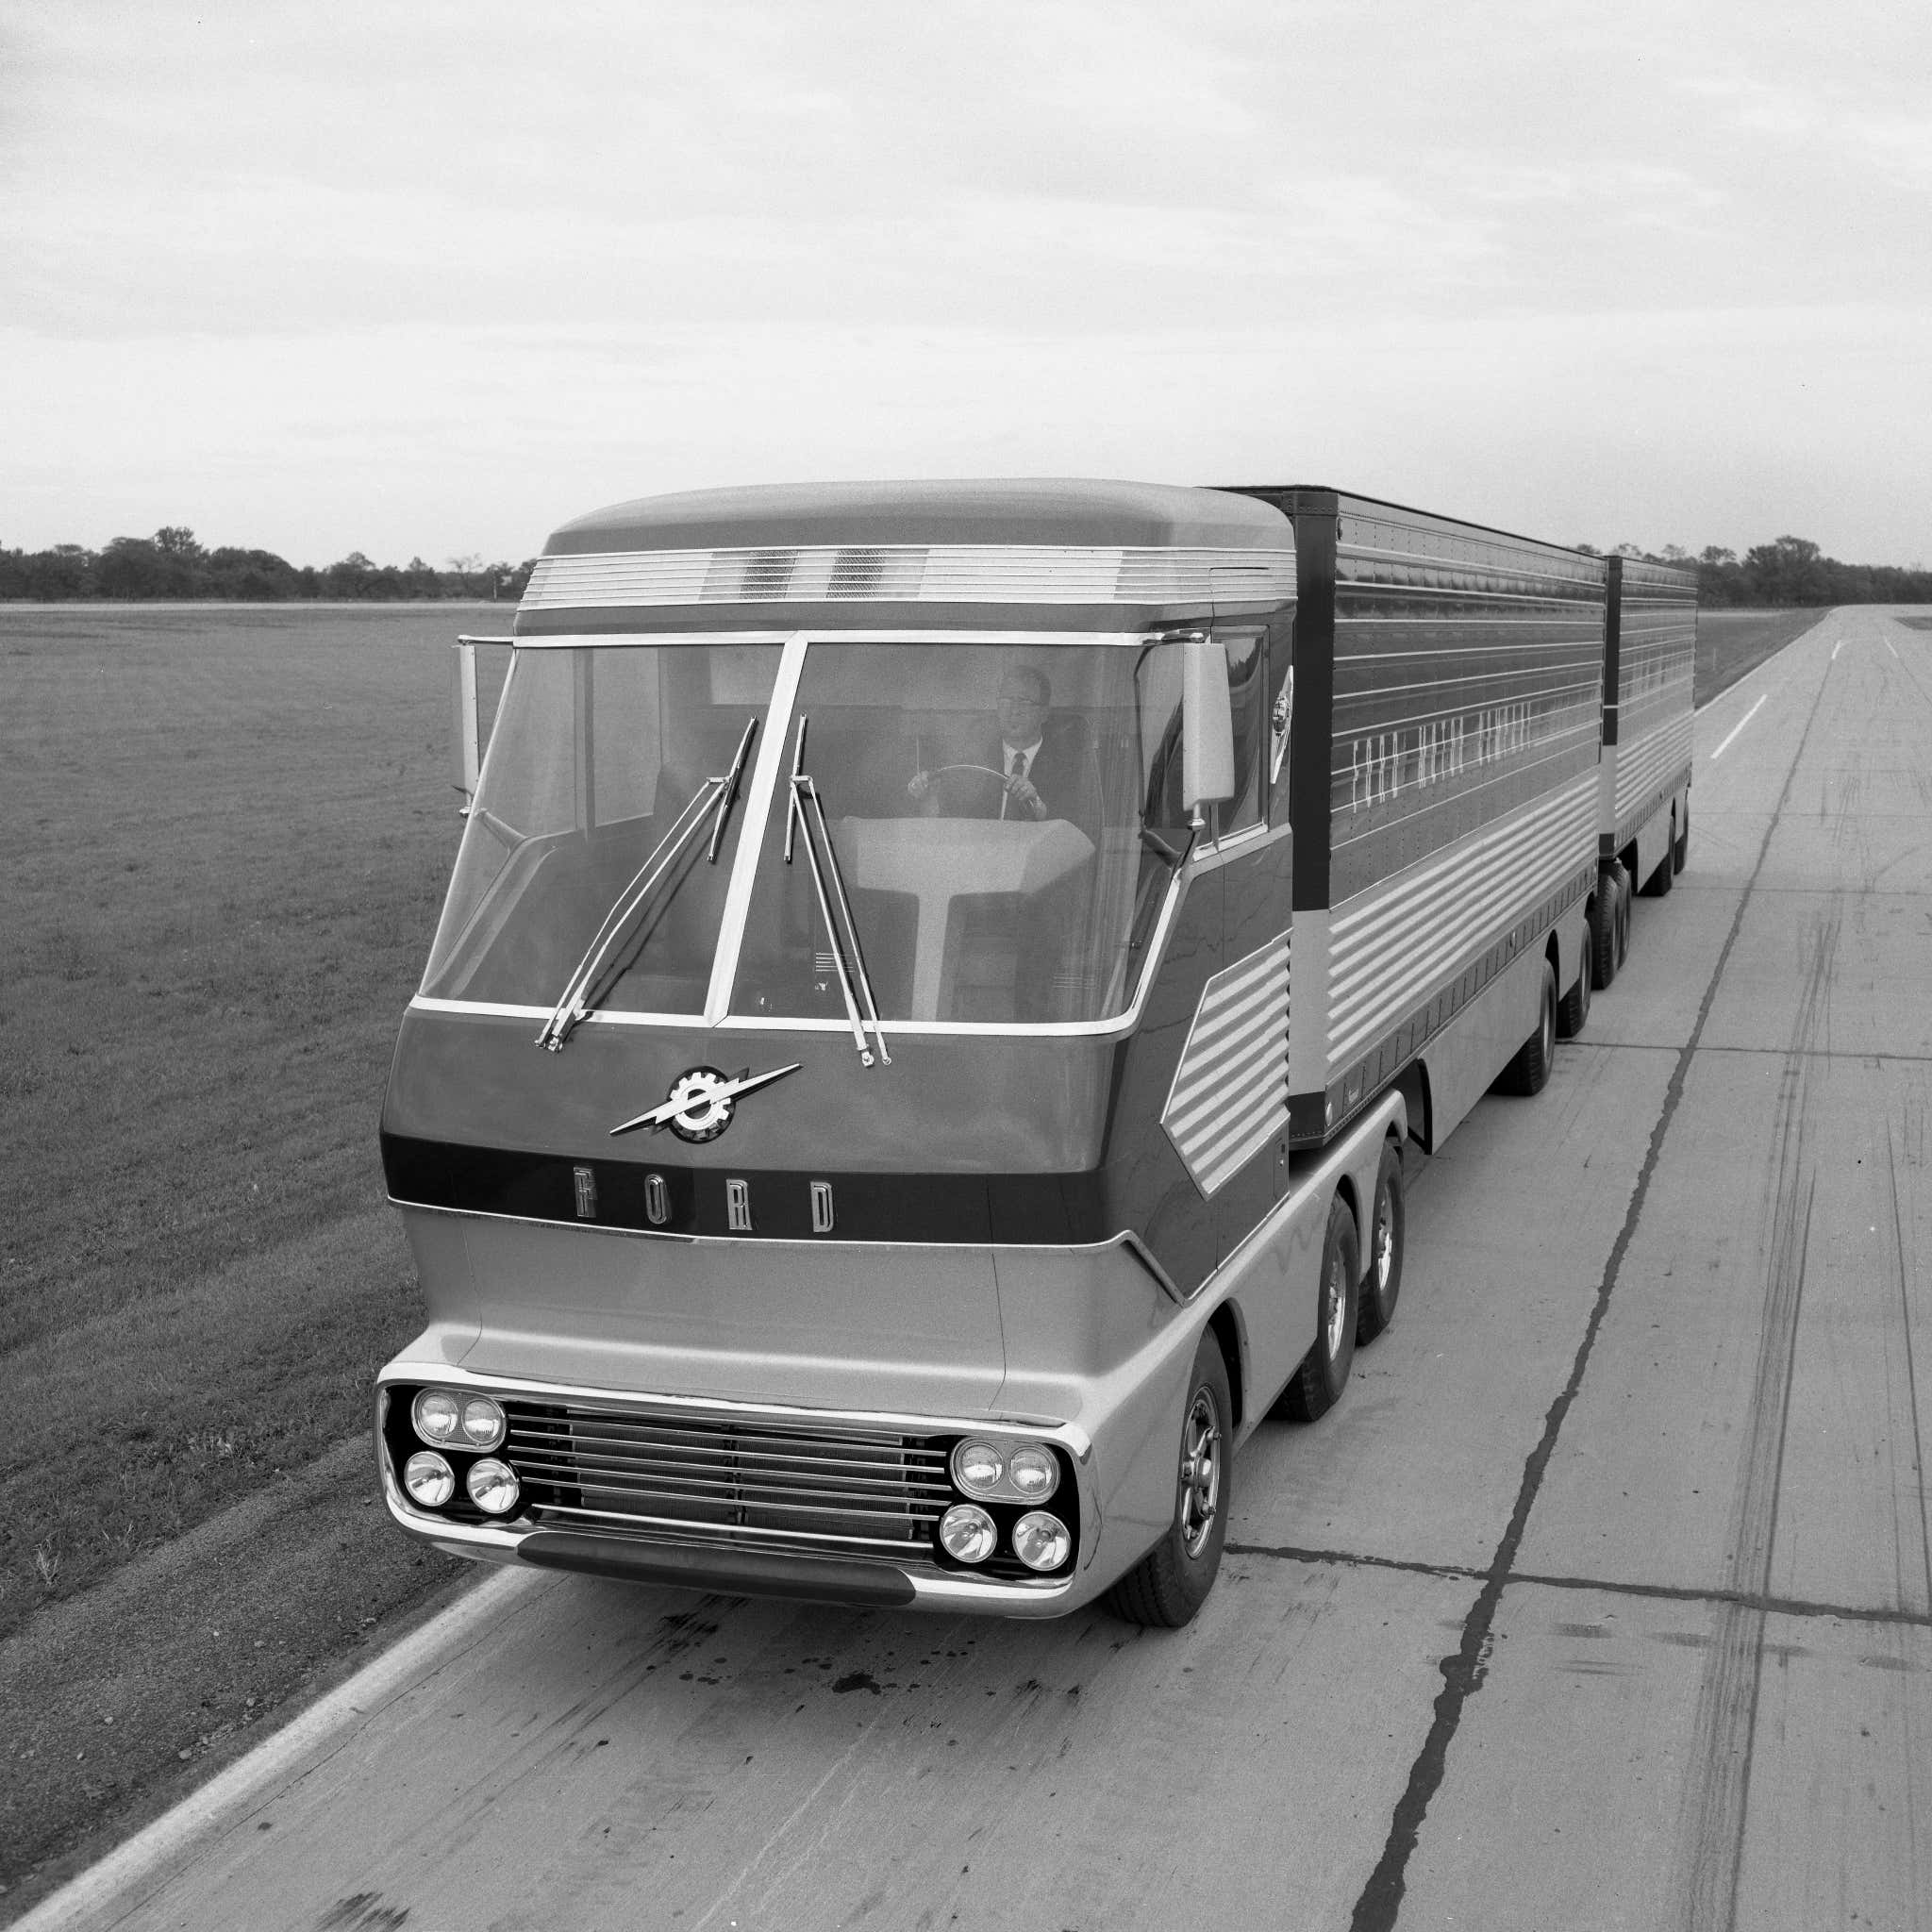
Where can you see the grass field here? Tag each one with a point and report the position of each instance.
(228, 832)
(227, 835)
(1733, 643)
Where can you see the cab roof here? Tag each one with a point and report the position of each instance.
(1013, 511)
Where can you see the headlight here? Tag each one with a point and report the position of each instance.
(967, 1532)
(977, 1468)
(492, 1487)
(1033, 1472)
(429, 1479)
(483, 1424)
(438, 1415)
(1041, 1542)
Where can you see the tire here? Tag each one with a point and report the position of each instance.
(1171, 1581)
(1387, 1227)
(1606, 929)
(1528, 1072)
(1573, 1010)
(1625, 897)
(1680, 853)
(1318, 1384)
(1658, 884)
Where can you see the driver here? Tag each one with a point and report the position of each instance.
(1023, 765)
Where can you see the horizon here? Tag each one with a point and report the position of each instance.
(435, 283)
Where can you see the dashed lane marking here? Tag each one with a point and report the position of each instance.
(1739, 726)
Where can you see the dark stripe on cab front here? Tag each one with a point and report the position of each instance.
(1009, 1208)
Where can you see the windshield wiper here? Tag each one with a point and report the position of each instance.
(807, 814)
(715, 795)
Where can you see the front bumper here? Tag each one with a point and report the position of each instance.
(744, 1556)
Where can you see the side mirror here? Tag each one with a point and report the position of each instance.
(1206, 725)
(467, 757)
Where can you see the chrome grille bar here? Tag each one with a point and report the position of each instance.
(749, 1484)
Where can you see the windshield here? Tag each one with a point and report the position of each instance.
(983, 886)
(963, 832)
(588, 865)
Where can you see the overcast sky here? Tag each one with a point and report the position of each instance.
(433, 278)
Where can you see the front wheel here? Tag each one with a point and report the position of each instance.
(1528, 1072)
(1318, 1383)
(1171, 1581)
(1383, 1282)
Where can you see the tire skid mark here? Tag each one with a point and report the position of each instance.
(1905, 1309)
(1464, 1670)
(1710, 1829)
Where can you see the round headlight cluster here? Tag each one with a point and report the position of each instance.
(967, 1532)
(1041, 1542)
(449, 1420)
(1020, 1473)
(493, 1486)
(429, 1479)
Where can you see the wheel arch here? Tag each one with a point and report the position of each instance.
(1230, 1335)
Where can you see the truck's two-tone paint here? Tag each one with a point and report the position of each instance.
(841, 1165)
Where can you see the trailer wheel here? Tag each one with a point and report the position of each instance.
(1680, 853)
(1528, 1072)
(1171, 1581)
(1316, 1386)
(1574, 1011)
(1383, 1282)
(1625, 896)
(1660, 883)
(1606, 923)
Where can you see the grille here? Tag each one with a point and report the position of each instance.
(760, 1486)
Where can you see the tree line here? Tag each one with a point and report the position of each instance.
(1791, 572)
(172, 564)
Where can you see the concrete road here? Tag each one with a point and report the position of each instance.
(1604, 1600)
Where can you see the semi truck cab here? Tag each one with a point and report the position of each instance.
(842, 1131)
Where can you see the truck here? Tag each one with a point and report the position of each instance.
(917, 1057)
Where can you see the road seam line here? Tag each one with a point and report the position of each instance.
(1659, 1592)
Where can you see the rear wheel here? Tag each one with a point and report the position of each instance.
(1680, 853)
(1574, 1008)
(1528, 1071)
(1171, 1581)
(1317, 1385)
(1383, 1281)
(1605, 928)
(1665, 876)
(1626, 894)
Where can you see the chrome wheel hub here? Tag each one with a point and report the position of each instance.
(1200, 1472)
(1336, 1298)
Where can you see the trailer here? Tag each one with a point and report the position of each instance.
(1644, 817)
(916, 1059)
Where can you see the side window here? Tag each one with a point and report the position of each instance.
(1247, 691)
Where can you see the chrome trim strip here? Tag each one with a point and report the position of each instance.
(751, 837)
(638, 640)
(1070, 1436)
(1392, 944)
(1229, 1092)
(912, 573)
